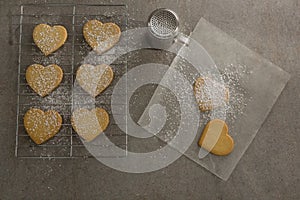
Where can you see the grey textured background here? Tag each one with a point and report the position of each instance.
(269, 169)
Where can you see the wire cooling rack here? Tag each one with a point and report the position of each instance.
(65, 144)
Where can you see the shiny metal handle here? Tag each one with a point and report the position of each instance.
(181, 38)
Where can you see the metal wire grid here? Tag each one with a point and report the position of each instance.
(65, 144)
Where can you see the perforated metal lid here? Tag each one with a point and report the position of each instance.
(163, 23)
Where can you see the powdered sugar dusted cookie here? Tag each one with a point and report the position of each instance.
(43, 80)
(210, 94)
(101, 37)
(89, 123)
(94, 79)
(49, 39)
(40, 125)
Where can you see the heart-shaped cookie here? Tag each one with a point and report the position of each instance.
(43, 80)
(94, 79)
(40, 125)
(49, 39)
(215, 138)
(89, 124)
(101, 37)
(210, 93)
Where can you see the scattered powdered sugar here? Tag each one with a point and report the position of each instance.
(43, 79)
(106, 44)
(101, 37)
(46, 41)
(47, 60)
(232, 76)
(49, 38)
(210, 93)
(94, 78)
(41, 125)
(86, 122)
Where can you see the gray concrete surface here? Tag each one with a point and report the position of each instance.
(269, 169)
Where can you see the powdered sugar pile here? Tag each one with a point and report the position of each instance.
(210, 93)
(232, 76)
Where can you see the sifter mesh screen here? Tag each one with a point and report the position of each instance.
(163, 23)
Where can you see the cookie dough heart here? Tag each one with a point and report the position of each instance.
(101, 37)
(210, 94)
(43, 80)
(94, 79)
(89, 124)
(40, 125)
(49, 39)
(215, 138)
